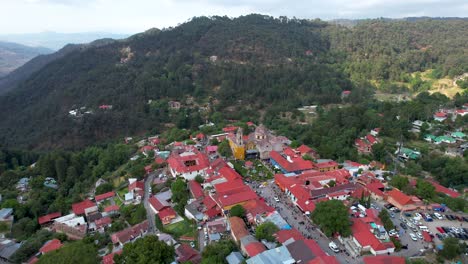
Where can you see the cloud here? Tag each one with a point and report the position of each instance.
(131, 16)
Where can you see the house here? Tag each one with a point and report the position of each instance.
(186, 254)
(136, 191)
(102, 223)
(300, 251)
(444, 139)
(195, 189)
(383, 260)
(326, 165)
(217, 226)
(105, 196)
(234, 257)
(227, 201)
(287, 236)
(417, 124)
(403, 201)
(111, 210)
(440, 116)
(458, 135)
(364, 144)
(442, 189)
(109, 258)
(279, 255)
(174, 105)
(194, 210)
(48, 219)
(366, 241)
(406, 153)
(131, 233)
(75, 227)
(238, 228)
(167, 215)
(48, 246)
(188, 164)
(7, 249)
(254, 248)
(81, 207)
(301, 197)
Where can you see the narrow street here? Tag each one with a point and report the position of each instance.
(298, 220)
(149, 212)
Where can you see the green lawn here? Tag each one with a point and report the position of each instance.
(182, 228)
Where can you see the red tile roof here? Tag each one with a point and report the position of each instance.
(103, 222)
(155, 203)
(375, 188)
(297, 164)
(79, 208)
(257, 206)
(238, 227)
(383, 260)
(48, 218)
(109, 258)
(146, 148)
(130, 233)
(212, 212)
(167, 214)
(230, 187)
(254, 248)
(326, 164)
(371, 139)
(50, 245)
(283, 235)
(230, 129)
(303, 149)
(399, 197)
(185, 253)
(200, 136)
(445, 190)
(440, 114)
(195, 189)
(233, 199)
(104, 196)
(136, 185)
(229, 173)
(111, 208)
(177, 162)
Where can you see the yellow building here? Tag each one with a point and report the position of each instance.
(237, 145)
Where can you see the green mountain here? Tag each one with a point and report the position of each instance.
(13, 55)
(237, 68)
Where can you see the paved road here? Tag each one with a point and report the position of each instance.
(201, 240)
(298, 220)
(149, 212)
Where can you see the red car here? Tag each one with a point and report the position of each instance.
(440, 229)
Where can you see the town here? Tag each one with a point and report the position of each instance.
(258, 197)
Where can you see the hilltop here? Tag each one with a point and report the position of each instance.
(13, 55)
(237, 68)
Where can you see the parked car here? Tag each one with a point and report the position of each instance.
(439, 236)
(192, 244)
(419, 235)
(404, 226)
(404, 247)
(393, 232)
(333, 247)
(438, 216)
(413, 237)
(277, 199)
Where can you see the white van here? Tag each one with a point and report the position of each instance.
(424, 228)
(333, 247)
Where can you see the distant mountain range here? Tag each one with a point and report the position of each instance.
(13, 55)
(56, 41)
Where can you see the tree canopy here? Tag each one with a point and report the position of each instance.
(332, 216)
(237, 210)
(146, 250)
(266, 231)
(72, 253)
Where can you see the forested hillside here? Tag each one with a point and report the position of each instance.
(228, 67)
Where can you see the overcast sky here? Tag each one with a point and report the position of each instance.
(132, 16)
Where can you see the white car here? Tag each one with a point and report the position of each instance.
(276, 199)
(333, 247)
(439, 216)
(419, 235)
(393, 232)
(417, 215)
(413, 237)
